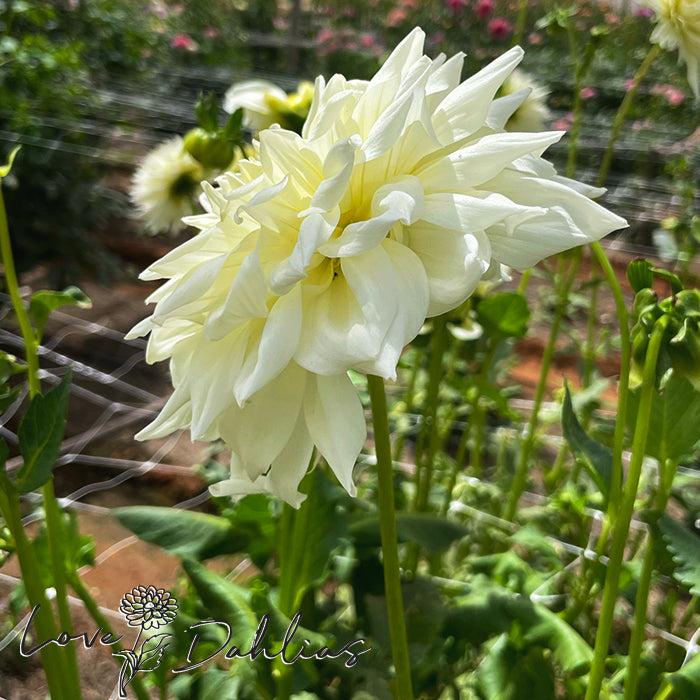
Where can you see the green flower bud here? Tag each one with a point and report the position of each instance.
(211, 149)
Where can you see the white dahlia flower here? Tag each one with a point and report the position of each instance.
(165, 186)
(678, 27)
(327, 251)
(532, 113)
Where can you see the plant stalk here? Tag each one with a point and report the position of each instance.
(387, 520)
(622, 522)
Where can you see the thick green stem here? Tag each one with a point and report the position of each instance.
(387, 520)
(479, 413)
(622, 522)
(520, 479)
(96, 614)
(667, 470)
(51, 656)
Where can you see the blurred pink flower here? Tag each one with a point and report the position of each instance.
(410, 4)
(534, 38)
(588, 92)
(629, 83)
(349, 11)
(640, 124)
(159, 10)
(367, 40)
(351, 45)
(211, 32)
(396, 17)
(483, 8)
(456, 6)
(561, 125)
(437, 38)
(183, 42)
(644, 12)
(672, 94)
(500, 28)
(324, 35)
(178, 9)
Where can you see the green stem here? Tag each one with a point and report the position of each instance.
(578, 101)
(667, 471)
(424, 467)
(622, 522)
(44, 622)
(623, 384)
(622, 113)
(25, 325)
(479, 411)
(68, 668)
(664, 691)
(55, 534)
(520, 479)
(96, 614)
(589, 346)
(520, 22)
(524, 280)
(408, 403)
(387, 520)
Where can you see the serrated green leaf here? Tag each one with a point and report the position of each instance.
(674, 424)
(44, 302)
(506, 314)
(685, 549)
(686, 681)
(40, 435)
(595, 458)
(431, 532)
(184, 533)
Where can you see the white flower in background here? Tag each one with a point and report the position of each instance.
(165, 185)
(678, 27)
(265, 104)
(532, 114)
(251, 95)
(327, 251)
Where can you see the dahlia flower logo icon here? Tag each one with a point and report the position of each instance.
(147, 608)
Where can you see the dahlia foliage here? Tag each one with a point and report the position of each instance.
(327, 251)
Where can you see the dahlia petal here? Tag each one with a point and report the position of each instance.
(336, 422)
(277, 345)
(454, 263)
(465, 109)
(258, 431)
(246, 299)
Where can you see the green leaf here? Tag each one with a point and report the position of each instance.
(232, 129)
(184, 533)
(431, 532)
(152, 650)
(40, 435)
(5, 169)
(685, 549)
(686, 681)
(594, 457)
(674, 424)
(509, 673)
(506, 314)
(319, 527)
(44, 302)
(223, 600)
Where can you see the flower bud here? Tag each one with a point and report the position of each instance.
(211, 149)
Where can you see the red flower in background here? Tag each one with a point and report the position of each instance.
(500, 28)
(483, 9)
